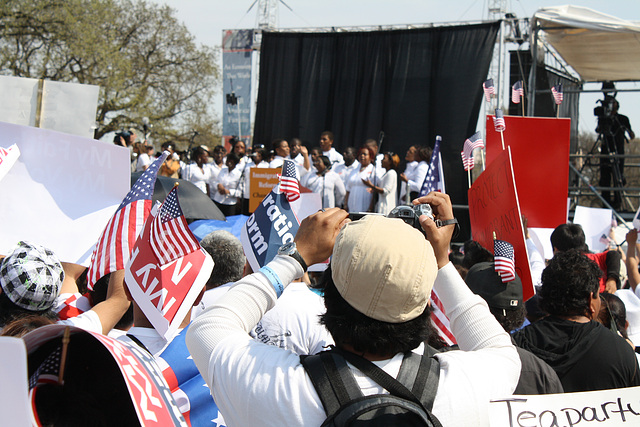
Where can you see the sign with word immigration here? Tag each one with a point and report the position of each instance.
(494, 208)
(617, 407)
(261, 182)
(165, 293)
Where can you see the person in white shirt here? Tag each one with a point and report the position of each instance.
(411, 165)
(227, 191)
(326, 183)
(300, 155)
(381, 275)
(199, 172)
(416, 179)
(281, 150)
(219, 160)
(358, 197)
(350, 163)
(326, 144)
(387, 184)
(143, 161)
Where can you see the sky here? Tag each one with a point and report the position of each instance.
(206, 19)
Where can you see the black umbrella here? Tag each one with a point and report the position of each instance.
(194, 203)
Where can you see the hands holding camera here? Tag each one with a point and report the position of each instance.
(439, 237)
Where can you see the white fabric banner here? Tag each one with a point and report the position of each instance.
(61, 191)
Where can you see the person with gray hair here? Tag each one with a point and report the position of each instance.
(229, 260)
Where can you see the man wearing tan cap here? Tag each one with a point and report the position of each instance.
(376, 293)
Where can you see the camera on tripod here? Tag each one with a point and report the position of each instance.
(606, 109)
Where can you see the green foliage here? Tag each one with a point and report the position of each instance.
(145, 61)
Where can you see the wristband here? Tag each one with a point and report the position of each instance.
(274, 279)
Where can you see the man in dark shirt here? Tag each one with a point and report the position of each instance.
(585, 355)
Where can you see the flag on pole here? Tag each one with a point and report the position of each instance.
(289, 181)
(517, 92)
(470, 144)
(489, 89)
(498, 121)
(116, 242)
(503, 258)
(171, 237)
(557, 93)
(434, 180)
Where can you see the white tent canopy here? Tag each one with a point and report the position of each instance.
(597, 46)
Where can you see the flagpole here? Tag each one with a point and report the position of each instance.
(469, 176)
(558, 111)
(502, 138)
(483, 161)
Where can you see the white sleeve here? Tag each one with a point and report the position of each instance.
(89, 321)
(415, 183)
(237, 311)
(536, 262)
(339, 190)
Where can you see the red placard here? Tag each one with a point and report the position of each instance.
(165, 293)
(493, 208)
(540, 156)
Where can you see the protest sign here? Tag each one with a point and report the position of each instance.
(602, 408)
(14, 401)
(493, 207)
(165, 293)
(8, 157)
(261, 182)
(596, 223)
(61, 191)
(540, 158)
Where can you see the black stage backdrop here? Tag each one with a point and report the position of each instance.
(411, 84)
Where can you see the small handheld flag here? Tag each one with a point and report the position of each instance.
(557, 93)
(517, 92)
(470, 144)
(498, 121)
(503, 257)
(433, 181)
(489, 89)
(289, 182)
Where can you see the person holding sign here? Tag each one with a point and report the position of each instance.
(376, 292)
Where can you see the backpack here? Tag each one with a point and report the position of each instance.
(409, 403)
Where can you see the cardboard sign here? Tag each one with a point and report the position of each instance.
(165, 293)
(595, 222)
(540, 158)
(603, 408)
(261, 182)
(493, 207)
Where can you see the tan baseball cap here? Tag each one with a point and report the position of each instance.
(384, 268)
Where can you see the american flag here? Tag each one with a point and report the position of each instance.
(504, 260)
(440, 320)
(289, 182)
(470, 144)
(48, 371)
(116, 242)
(517, 92)
(557, 93)
(498, 121)
(433, 181)
(170, 237)
(489, 89)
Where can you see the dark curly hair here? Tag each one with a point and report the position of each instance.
(567, 284)
(568, 236)
(348, 326)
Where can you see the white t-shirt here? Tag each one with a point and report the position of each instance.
(329, 186)
(143, 161)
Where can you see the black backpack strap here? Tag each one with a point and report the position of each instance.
(332, 380)
(421, 374)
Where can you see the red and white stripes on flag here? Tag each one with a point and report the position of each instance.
(556, 91)
(517, 92)
(488, 89)
(498, 121)
(170, 236)
(289, 182)
(114, 246)
(470, 144)
(503, 258)
(440, 320)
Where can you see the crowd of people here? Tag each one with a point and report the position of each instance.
(249, 333)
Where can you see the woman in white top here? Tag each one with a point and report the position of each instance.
(227, 191)
(358, 197)
(199, 172)
(257, 161)
(325, 182)
(387, 184)
(143, 161)
(281, 150)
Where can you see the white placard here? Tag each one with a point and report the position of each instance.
(14, 400)
(602, 408)
(595, 222)
(61, 192)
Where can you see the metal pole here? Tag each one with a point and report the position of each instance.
(532, 73)
(592, 188)
(501, 64)
(239, 122)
